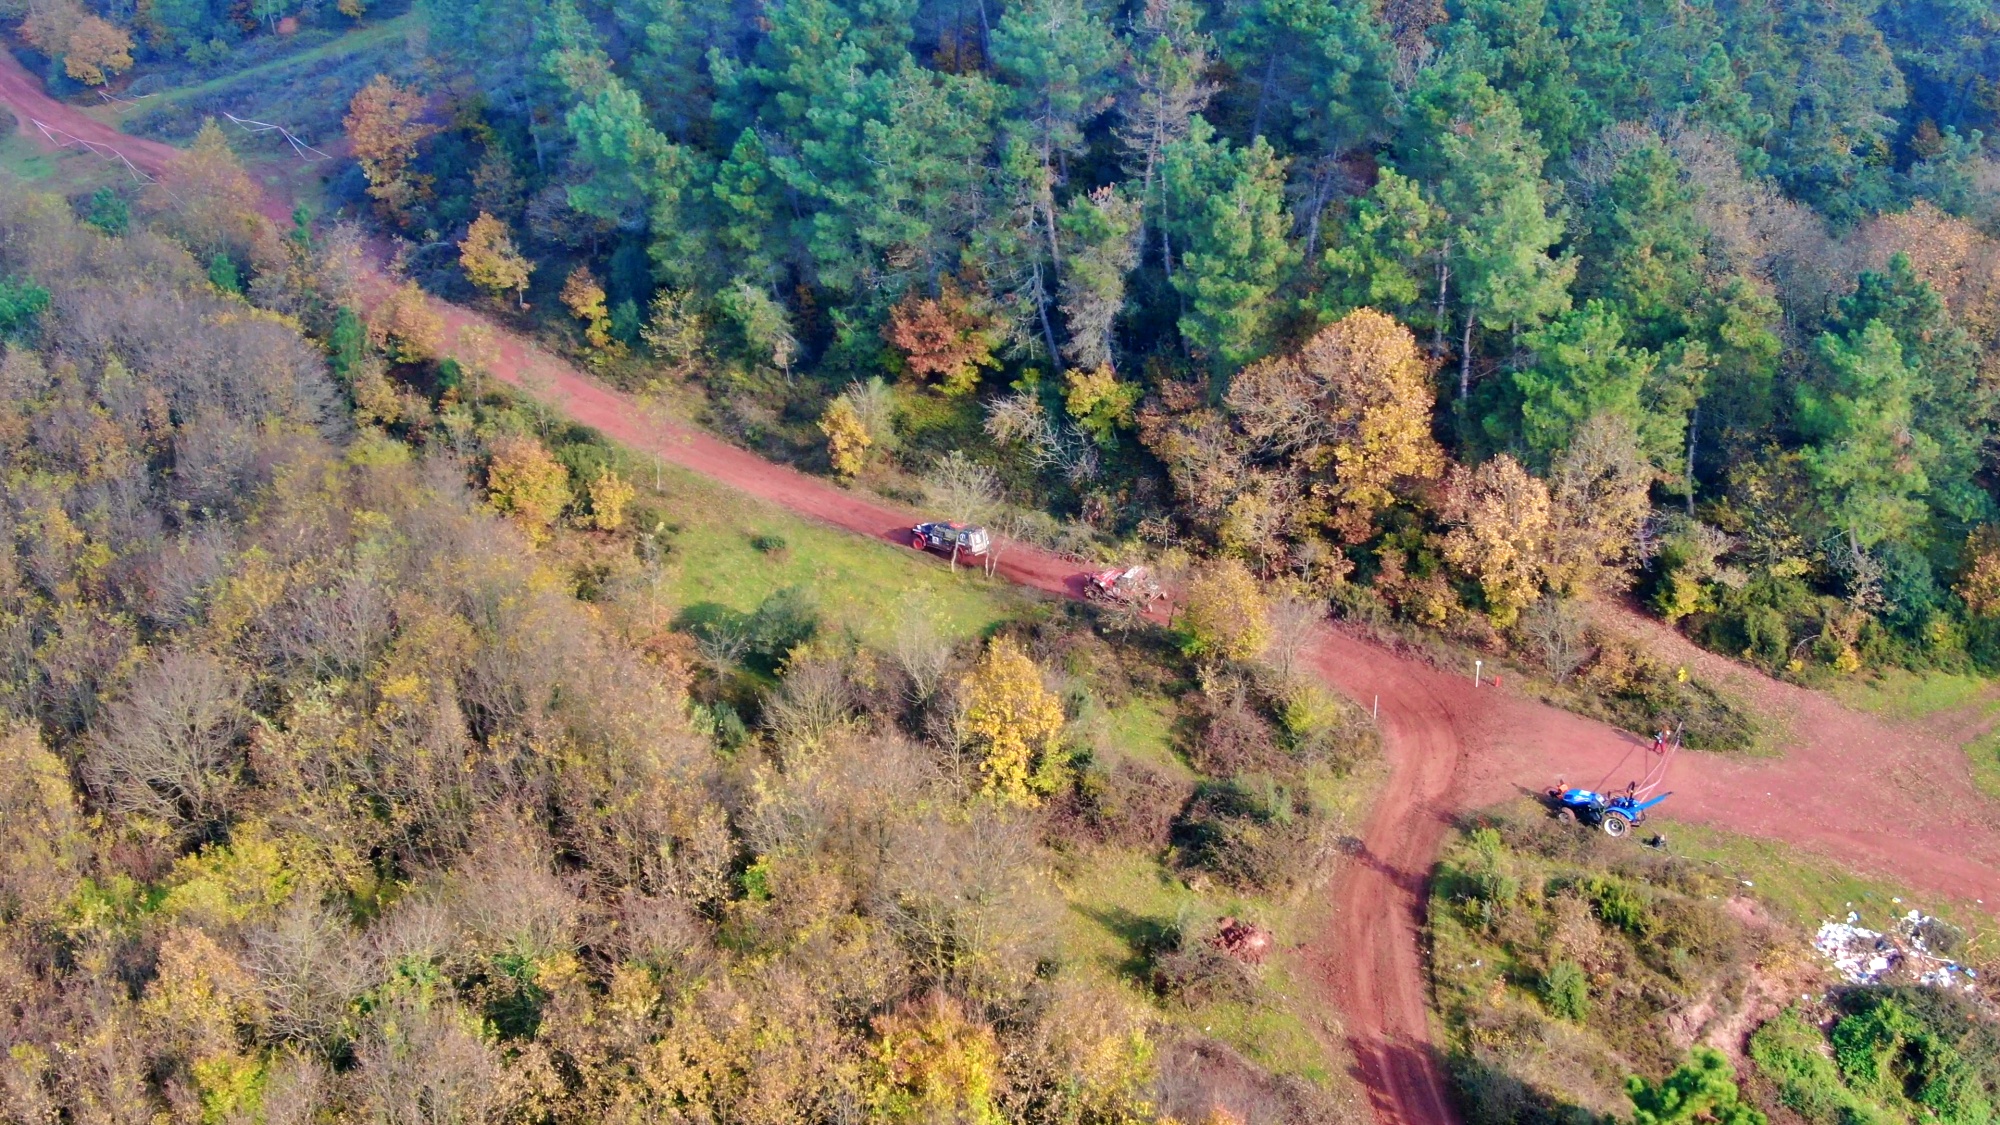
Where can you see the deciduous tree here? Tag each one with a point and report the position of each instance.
(1499, 517)
(931, 1062)
(847, 440)
(406, 327)
(1015, 722)
(1597, 502)
(944, 338)
(1223, 611)
(1357, 399)
(384, 128)
(584, 298)
(525, 482)
(491, 260)
(610, 495)
(98, 50)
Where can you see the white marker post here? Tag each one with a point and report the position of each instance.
(1378, 708)
(1476, 666)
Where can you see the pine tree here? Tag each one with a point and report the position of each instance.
(1866, 461)
(1227, 216)
(1468, 140)
(1102, 229)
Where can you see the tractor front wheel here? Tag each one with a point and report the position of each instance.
(1616, 825)
(918, 541)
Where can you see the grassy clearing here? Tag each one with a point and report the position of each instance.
(272, 74)
(1898, 694)
(1123, 903)
(1983, 755)
(23, 163)
(1142, 729)
(306, 91)
(729, 549)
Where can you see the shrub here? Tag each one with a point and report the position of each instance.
(1193, 969)
(1129, 804)
(1566, 992)
(1255, 833)
(786, 619)
(1792, 1054)
(1619, 904)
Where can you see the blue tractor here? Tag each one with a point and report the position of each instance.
(1615, 814)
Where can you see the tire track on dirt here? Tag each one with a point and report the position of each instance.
(1449, 747)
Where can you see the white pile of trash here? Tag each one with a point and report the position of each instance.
(1872, 957)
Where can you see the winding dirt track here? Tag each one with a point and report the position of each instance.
(1852, 789)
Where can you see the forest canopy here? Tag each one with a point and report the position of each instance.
(1732, 262)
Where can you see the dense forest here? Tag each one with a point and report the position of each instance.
(353, 766)
(1457, 313)
(357, 765)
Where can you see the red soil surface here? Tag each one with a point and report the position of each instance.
(1851, 789)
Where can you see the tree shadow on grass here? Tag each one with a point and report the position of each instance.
(1144, 937)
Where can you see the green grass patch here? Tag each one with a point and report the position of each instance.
(24, 162)
(1142, 729)
(1983, 755)
(1899, 694)
(272, 75)
(1123, 903)
(713, 533)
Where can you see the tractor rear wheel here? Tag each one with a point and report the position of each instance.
(1566, 814)
(1616, 825)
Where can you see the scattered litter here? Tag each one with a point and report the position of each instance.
(1866, 956)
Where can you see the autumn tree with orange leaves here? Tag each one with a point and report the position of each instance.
(98, 49)
(944, 338)
(1356, 400)
(384, 128)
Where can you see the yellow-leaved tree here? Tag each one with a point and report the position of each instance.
(213, 205)
(1099, 403)
(847, 440)
(525, 482)
(931, 1062)
(1224, 611)
(609, 495)
(383, 130)
(405, 326)
(97, 50)
(1500, 533)
(492, 261)
(585, 299)
(1016, 722)
(1357, 398)
(1979, 585)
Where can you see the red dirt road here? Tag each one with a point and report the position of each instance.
(1886, 799)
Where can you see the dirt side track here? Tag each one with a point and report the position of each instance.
(1852, 789)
